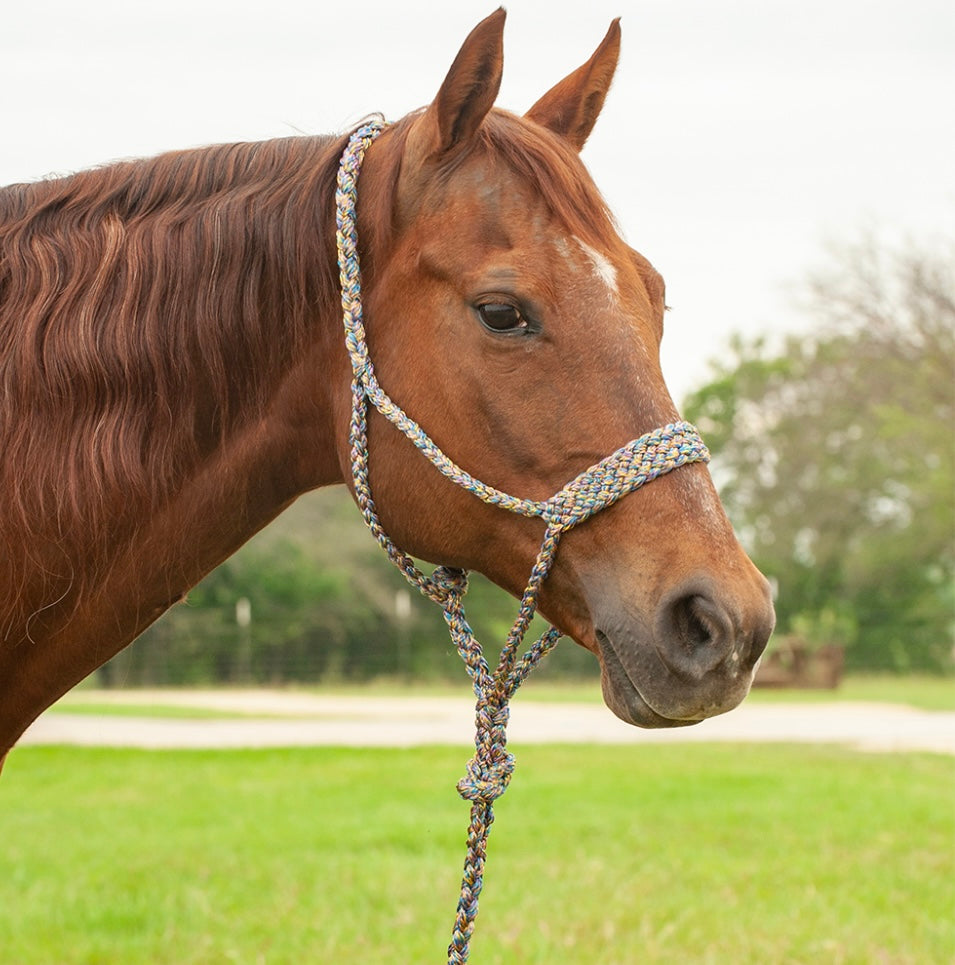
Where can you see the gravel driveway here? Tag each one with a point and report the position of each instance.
(288, 719)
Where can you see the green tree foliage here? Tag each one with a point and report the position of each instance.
(834, 457)
(324, 604)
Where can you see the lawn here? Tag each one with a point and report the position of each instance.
(924, 693)
(611, 855)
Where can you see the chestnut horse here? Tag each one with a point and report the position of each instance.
(173, 375)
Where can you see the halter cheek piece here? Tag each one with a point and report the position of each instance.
(629, 468)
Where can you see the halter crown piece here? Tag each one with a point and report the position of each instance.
(638, 462)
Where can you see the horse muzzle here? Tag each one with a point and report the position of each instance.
(693, 658)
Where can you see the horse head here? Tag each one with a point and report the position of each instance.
(509, 318)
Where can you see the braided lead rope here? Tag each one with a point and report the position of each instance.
(488, 773)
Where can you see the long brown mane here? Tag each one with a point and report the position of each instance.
(146, 310)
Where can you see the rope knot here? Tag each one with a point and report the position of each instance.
(485, 782)
(489, 771)
(449, 581)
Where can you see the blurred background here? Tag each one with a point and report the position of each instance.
(787, 167)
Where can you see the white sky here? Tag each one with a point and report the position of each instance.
(739, 137)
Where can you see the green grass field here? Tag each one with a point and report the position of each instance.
(611, 855)
(924, 693)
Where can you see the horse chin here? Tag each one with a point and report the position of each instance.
(622, 695)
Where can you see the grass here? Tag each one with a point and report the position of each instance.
(105, 708)
(611, 855)
(924, 693)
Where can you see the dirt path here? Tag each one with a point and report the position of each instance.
(295, 719)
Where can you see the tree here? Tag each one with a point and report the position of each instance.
(834, 455)
(321, 602)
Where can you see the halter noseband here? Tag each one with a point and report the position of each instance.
(629, 468)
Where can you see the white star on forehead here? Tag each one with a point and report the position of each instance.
(602, 266)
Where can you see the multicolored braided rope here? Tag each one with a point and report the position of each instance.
(658, 452)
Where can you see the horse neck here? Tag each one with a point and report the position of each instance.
(195, 387)
(113, 505)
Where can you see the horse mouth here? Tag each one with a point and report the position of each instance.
(623, 696)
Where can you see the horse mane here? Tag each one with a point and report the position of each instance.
(147, 310)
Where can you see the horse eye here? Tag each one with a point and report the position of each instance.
(500, 317)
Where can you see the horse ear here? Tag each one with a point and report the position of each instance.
(469, 90)
(572, 107)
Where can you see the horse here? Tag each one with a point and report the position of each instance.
(173, 376)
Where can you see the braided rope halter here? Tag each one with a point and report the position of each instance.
(638, 462)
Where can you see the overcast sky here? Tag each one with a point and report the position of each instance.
(739, 137)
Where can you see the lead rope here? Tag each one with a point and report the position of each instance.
(488, 773)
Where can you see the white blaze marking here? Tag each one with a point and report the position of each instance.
(603, 267)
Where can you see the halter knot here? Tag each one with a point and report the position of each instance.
(448, 581)
(486, 782)
(489, 771)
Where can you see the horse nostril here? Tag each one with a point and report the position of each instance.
(691, 622)
(696, 634)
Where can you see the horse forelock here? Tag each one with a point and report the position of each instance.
(542, 160)
(553, 169)
(147, 310)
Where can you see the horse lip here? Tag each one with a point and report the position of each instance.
(622, 694)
